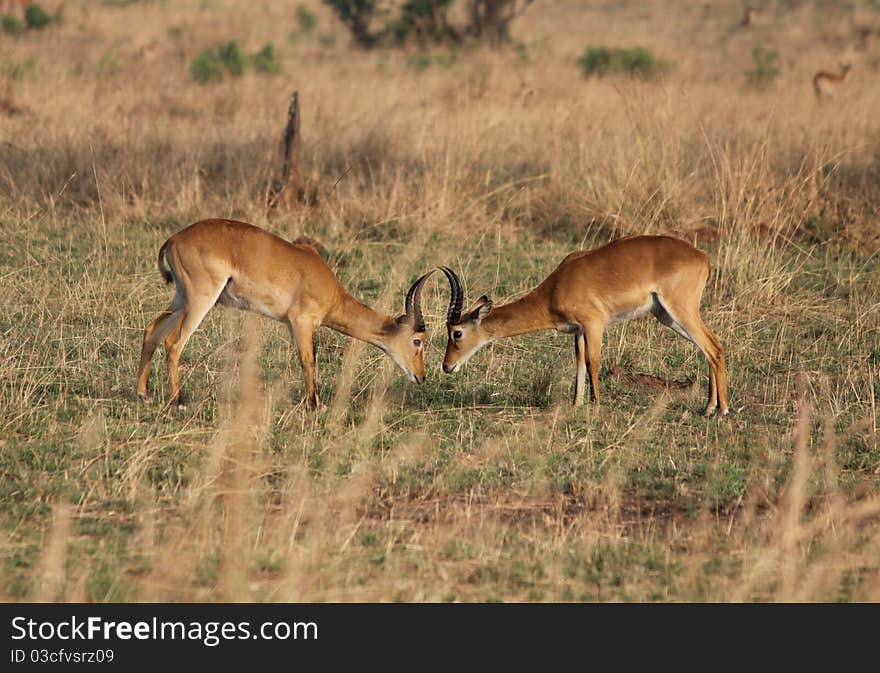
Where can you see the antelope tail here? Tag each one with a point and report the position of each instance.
(164, 269)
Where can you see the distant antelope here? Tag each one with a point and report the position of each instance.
(242, 266)
(749, 17)
(624, 279)
(826, 83)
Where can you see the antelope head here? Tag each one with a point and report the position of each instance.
(404, 339)
(465, 332)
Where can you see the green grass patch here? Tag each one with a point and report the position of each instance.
(266, 61)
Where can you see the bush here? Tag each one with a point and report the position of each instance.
(36, 17)
(306, 20)
(206, 67)
(635, 61)
(374, 23)
(357, 15)
(12, 24)
(638, 61)
(423, 20)
(265, 61)
(595, 60)
(232, 58)
(210, 64)
(766, 67)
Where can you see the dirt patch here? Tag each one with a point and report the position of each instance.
(650, 381)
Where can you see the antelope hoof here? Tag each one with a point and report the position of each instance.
(144, 398)
(722, 413)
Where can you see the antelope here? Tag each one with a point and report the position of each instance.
(749, 17)
(826, 83)
(627, 278)
(241, 266)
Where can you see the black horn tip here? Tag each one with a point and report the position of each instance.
(413, 304)
(456, 299)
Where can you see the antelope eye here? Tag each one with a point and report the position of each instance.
(456, 334)
(417, 342)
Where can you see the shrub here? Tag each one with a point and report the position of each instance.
(36, 17)
(232, 58)
(206, 67)
(426, 21)
(12, 24)
(306, 20)
(490, 19)
(595, 60)
(210, 64)
(357, 15)
(634, 61)
(265, 61)
(423, 20)
(638, 61)
(766, 67)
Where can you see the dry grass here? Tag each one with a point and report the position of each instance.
(486, 485)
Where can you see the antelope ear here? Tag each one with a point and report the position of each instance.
(481, 309)
(405, 320)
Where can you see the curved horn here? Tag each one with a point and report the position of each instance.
(456, 299)
(413, 303)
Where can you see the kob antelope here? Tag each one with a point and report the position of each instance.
(827, 83)
(242, 266)
(625, 279)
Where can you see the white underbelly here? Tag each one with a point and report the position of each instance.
(229, 297)
(631, 313)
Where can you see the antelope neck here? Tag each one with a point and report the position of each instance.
(354, 319)
(527, 314)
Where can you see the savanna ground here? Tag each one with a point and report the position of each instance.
(485, 485)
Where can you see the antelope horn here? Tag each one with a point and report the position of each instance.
(413, 304)
(456, 299)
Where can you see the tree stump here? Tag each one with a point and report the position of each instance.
(289, 193)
